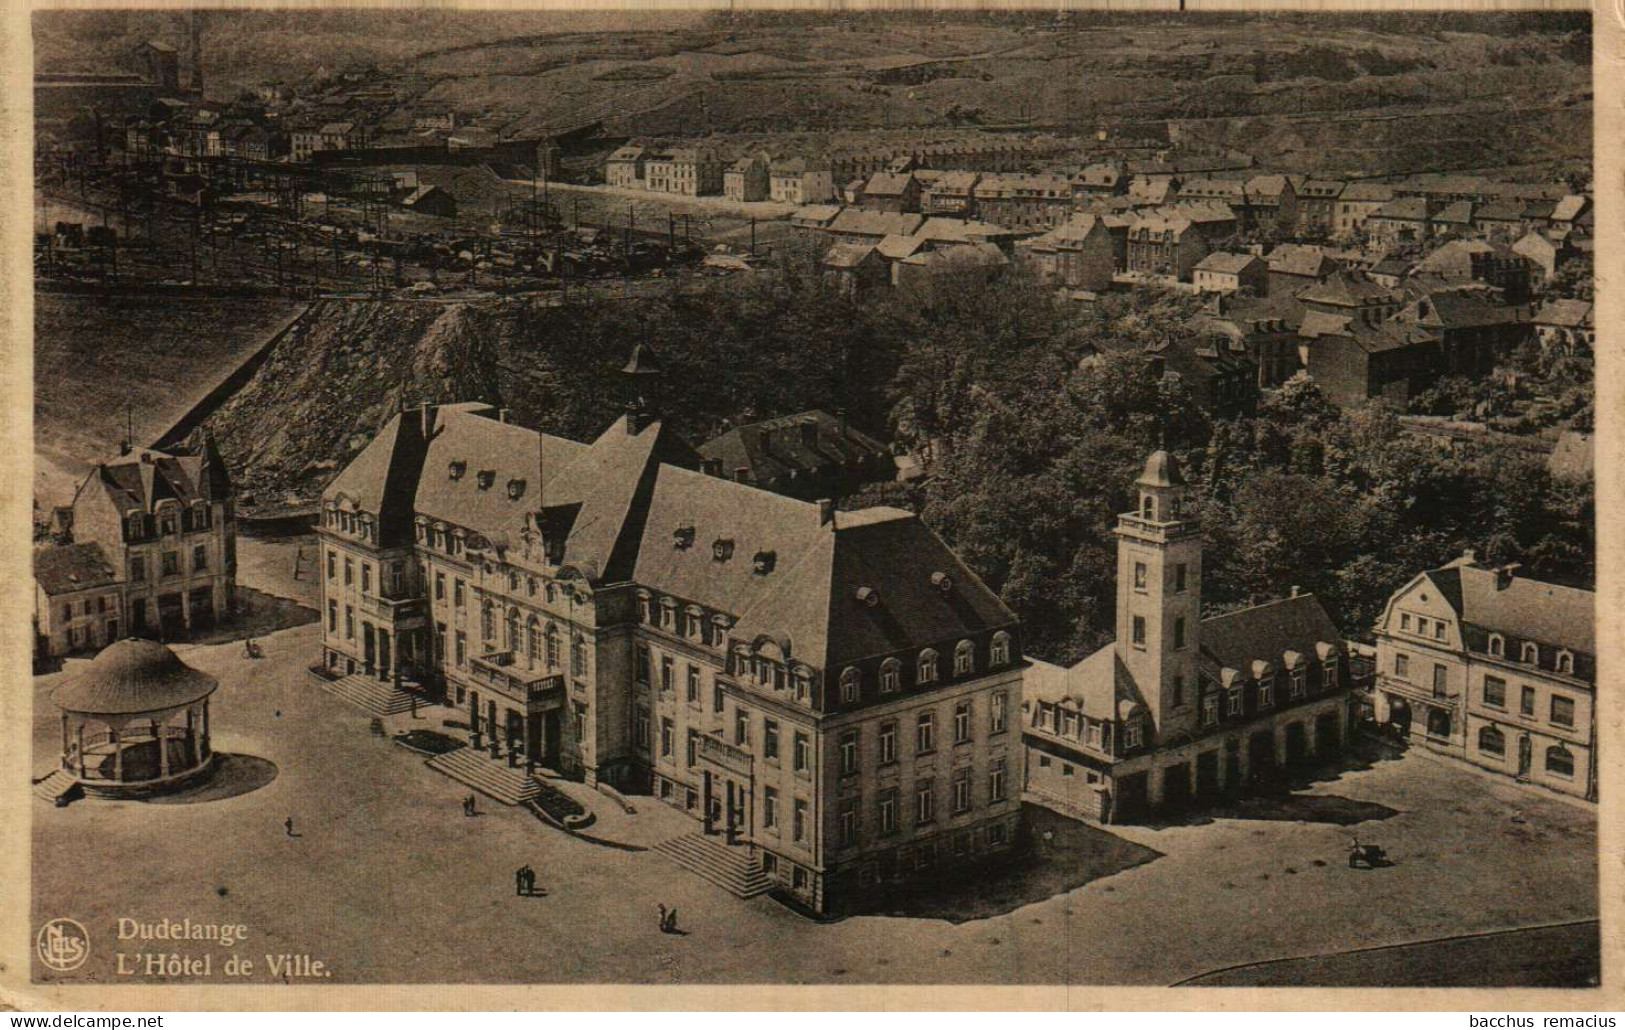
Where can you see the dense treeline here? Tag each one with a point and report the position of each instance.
(1033, 421)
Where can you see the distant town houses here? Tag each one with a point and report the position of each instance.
(809, 455)
(147, 548)
(1494, 668)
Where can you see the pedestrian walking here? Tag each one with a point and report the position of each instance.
(671, 922)
(288, 825)
(662, 918)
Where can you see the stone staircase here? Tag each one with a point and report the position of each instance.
(58, 788)
(730, 867)
(489, 776)
(370, 694)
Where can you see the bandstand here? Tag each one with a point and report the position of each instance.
(135, 722)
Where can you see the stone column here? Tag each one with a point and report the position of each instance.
(1311, 733)
(64, 736)
(163, 749)
(79, 732)
(208, 747)
(706, 789)
(194, 735)
(118, 754)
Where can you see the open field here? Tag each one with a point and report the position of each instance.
(96, 357)
(383, 845)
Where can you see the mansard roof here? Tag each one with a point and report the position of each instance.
(1520, 607)
(1265, 633)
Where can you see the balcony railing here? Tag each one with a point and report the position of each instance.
(392, 607)
(1416, 692)
(725, 755)
(505, 670)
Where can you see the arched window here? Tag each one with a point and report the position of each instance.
(851, 682)
(891, 672)
(533, 641)
(964, 659)
(1148, 506)
(552, 646)
(1492, 741)
(999, 653)
(488, 628)
(549, 593)
(1498, 646)
(926, 670)
(1560, 761)
(1530, 654)
(1565, 662)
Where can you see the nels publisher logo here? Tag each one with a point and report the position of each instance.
(63, 945)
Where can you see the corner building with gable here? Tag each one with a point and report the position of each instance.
(831, 695)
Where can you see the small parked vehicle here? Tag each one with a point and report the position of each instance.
(1372, 855)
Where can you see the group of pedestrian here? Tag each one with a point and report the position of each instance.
(668, 920)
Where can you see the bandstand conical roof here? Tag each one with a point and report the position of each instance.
(132, 677)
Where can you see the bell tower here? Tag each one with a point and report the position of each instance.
(1159, 595)
(645, 372)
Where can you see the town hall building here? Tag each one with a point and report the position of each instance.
(831, 695)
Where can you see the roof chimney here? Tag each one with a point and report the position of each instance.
(826, 512)
(1506, 574)
(1469, 556)
(426, 418)
(1296, 591)
(502, 414)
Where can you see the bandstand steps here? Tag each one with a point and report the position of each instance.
(489, 776)
(373, 696)
(58, 788)
(728, 866)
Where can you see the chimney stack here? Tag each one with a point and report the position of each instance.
(826, 512)
(503, 414)
(1296, 591)
(426, 418)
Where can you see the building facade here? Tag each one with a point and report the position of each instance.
(1493, 668)
(828, 693)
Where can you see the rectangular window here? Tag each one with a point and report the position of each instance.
(640, 727)
(770, 808)
(1438, 631)
(1441, 679)
(962, 790)
(440, 586)
(803, 752)
(925, 803)
(457, 592)
(366, 578)
(1179, 633)
(995, 782)
(200, 558)
(1562, 710)
(1495, 692)
(888, 742)
(1210, 710)
(800, 828)
(1139, 631)
(332, 616)
(138, 569)
(741, 727)
(1266, 692)
(925, 733)
(462, 647)
(1526, 703)
(693, 685)
(887, 810)
(1402, 666)
(667, 732)
(849, 821)
(1139, 575)
(665, 674)
(849, 752)
(1131, 733)
(716, 698)
(332, 565)
(349, 571)
(770, 738)
(962, 722)
(643, 660)
(693, 747)
(997, 712)
(172, 563)
(1179, 578)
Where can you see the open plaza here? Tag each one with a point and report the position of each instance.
(384, 879)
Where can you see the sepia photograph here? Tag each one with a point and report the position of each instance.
(828, 497)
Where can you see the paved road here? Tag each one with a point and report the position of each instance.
(1567, 955)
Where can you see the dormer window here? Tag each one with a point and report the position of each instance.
(763, 562)
(1498, 646)
(1530, 654)
(869, 597)
(999, 651)
(516, 489)
(682, 538)
(891, 674)
(851, 681)
(1565, 662)
(485, 478)
(722, 548)
(456, 469)
(943, 582)
(926, 669)
(964, 658)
